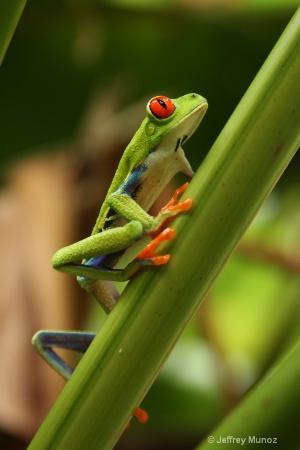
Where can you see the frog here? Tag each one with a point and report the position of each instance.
(149, 162)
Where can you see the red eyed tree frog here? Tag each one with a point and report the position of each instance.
(149, 162)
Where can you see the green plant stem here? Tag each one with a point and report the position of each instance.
(10, 13)
(239, 172)
(269, 411)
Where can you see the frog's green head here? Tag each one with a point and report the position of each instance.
(157, 145)
(170, 123)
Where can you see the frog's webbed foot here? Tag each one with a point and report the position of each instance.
(148, 256)
(173, 204)
(172, 208)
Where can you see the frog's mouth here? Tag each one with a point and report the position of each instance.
(180, 142)
(187, 126)
(184, 130)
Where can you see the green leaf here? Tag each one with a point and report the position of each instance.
(10, 13)
(269, 414)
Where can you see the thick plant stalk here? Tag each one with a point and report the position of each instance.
(241, 169)
(10, 13)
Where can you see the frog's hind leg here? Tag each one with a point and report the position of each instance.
(44, 341)
(105, 292)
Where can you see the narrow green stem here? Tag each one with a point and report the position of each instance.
(238, 174)
(10, 13)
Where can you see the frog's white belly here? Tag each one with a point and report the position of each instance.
(161, 168)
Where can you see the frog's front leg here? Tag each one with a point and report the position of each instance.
(173, 207)
(128, 208)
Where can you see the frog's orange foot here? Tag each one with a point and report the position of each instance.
(173, 204)
(182, 206)
(148, 255)
(174, 207)
(141, 415)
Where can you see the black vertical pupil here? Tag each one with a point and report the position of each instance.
(162, 103)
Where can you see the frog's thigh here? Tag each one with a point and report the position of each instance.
(115, 239)
(102, 243)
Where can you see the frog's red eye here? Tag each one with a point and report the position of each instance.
(161, 107)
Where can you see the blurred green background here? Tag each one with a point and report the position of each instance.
(63, 50)
(64, 54)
